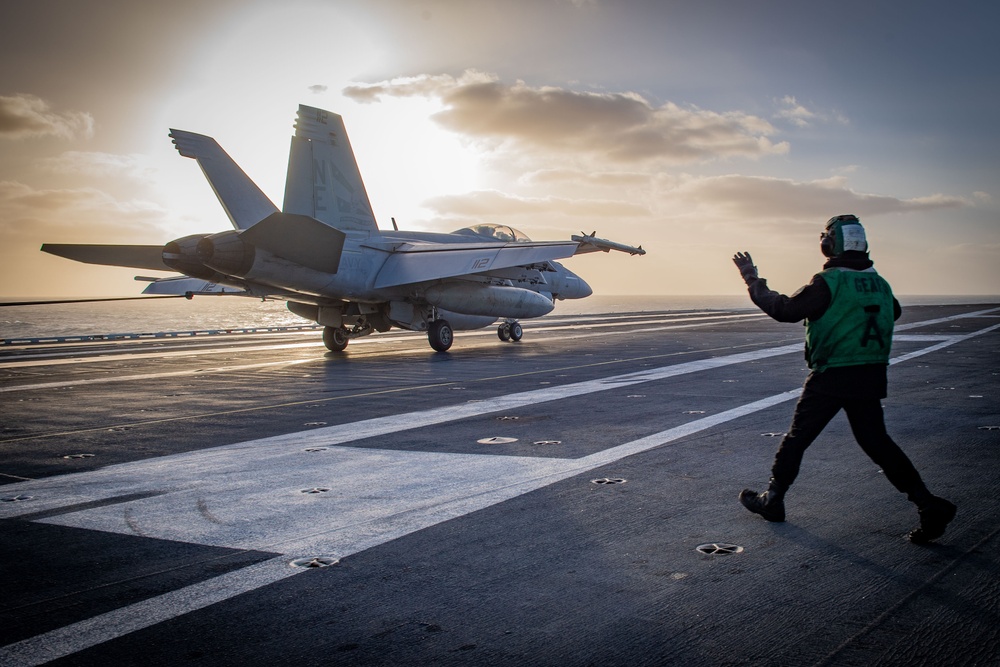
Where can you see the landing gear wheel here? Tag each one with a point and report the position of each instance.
(335, 339)
(515, 331)
(503, 332)
(440, 335)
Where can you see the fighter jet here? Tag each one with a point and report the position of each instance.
(324, 254)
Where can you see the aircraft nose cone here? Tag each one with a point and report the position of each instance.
(575, 287)
(568, 285)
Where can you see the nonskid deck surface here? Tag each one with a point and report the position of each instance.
(566, 500)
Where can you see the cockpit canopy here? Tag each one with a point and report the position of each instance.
(494, 233)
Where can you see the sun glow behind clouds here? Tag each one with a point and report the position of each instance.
(244, 88)
(533, 114)
(407, 159)
(404, 157)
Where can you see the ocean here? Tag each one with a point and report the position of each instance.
(208, 313)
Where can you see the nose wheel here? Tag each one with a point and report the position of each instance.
(510, 331)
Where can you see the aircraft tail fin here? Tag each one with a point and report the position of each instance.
(323, 180)
(298, 238)
(242, 200)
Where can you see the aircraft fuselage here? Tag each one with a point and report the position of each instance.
(325, 255)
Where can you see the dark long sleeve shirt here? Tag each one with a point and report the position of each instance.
(809, 303)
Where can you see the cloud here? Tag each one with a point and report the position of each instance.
(30, 217)
(23, 116)
(974, 249)
(621, 128)
(491, 204)
(795, 112)
(725, 199)
(135, 166)
(318, 89)
(983, 197)
(800, 116)
(577, 177)
(85, 214)
(425, 85)
(772, 198)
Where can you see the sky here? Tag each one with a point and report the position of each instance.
(696, 129)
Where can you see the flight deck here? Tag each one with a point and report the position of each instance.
(568, 499)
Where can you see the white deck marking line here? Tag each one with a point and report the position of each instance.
(144, 376)
(940, 346)
(243, 367)
(70, 639)
(248, 338)
(942, 320)
(223, 369)
(67, 358)
(98, 356)
(90, 632)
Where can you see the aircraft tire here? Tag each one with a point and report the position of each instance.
(503, 332)
(335, 339)
(516, 331)
(440, 335)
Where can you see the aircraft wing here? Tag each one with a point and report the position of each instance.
(590, 243)
(134, 256)
(419, 262)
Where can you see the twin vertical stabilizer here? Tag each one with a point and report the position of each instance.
(323, 179)
(242, 200)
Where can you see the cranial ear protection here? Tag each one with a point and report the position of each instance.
(842, 233)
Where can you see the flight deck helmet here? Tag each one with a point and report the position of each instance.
(843, 233)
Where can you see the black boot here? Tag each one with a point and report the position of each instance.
(935, 514)
(769, 504)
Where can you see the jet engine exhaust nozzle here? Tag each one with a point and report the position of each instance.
(182, 255)
(227, 253)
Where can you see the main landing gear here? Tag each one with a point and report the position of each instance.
(510, 331)
(440, 335)
(335, 338)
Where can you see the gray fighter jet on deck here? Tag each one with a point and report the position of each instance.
(325, 255)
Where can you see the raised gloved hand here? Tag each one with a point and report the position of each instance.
(744, 263)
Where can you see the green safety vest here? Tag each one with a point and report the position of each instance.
(856, 328)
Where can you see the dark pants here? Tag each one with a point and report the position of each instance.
(815, 410)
